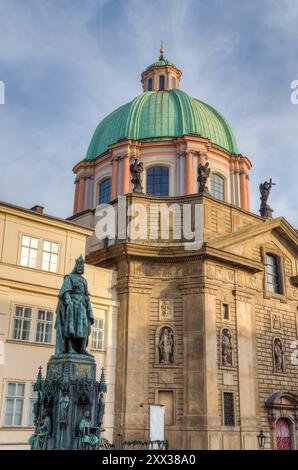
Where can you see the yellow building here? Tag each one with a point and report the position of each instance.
(36, 251)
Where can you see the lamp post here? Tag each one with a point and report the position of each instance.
(261, 440)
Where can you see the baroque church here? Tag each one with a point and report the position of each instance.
(209, 332)
(206, 326)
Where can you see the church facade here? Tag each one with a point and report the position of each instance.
(208, 331)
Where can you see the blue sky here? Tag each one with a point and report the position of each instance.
(68, 63)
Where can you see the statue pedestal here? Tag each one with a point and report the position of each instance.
(69, 397)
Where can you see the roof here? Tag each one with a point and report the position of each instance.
(161, 62)
(162, 115)
(46, 218)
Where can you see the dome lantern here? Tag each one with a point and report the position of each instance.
(162, 75)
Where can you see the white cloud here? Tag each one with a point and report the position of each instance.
(68, 64)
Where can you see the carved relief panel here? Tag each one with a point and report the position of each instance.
(165, 309)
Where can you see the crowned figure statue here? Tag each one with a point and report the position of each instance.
(74, 315)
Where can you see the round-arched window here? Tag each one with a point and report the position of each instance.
(158, 181)
(149, 84)
(105, 191)
(161, 82)
(217, 187)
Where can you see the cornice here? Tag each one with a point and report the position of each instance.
(171, 255)
(44, 219)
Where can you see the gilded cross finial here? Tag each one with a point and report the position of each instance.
(161, 50)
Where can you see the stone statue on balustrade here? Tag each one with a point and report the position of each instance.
(136, 170)
(203, 175)
(265, 188)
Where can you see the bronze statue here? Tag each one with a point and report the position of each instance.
(74, 313)
(63, 408)
(265, 188)
(101, 409)
(136, 170)
(87, 435)
(39, 440)
(203, 175)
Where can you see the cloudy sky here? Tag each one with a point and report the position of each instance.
(68, 63)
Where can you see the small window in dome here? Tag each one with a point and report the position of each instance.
(173, 83)
(105, 191)
(149, 85)
(158, 181)
(217, 187)
(161, 82)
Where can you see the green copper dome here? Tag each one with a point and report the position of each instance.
(161, 115)
(161, 62)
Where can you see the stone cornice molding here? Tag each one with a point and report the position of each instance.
(128, 287)
(244, 295)
(173, 254)
(199, 288)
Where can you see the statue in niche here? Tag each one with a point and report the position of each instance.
(74, 313)
(166, 346)
(136, 170)
(203, 175)
(265, 188)
(278, 356)
(226, 348)
(40, 439)
(87, 435)
(63, 408)
(101, 409)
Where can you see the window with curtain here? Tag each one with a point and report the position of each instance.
(273, 277)
(44, 326)
(105, 191)
(161, 82)
(22, 323)
(98, 334)
(32, 400)
(50, 256)
(14, 404)
(217, 187)
(158, 181)
(29, 249)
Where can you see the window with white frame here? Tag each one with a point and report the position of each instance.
(44, 326)
(22, 323)
(273, 274)
(98, 334)
(29, 250)
(49, 260)
(32, 401)
(217, 186)
(14, 404)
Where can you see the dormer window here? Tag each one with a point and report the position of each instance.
(161, 82)
(149, 84)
